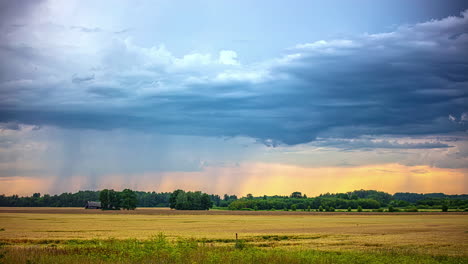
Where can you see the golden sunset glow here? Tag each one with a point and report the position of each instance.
(269, 179)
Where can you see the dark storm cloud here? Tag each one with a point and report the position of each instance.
(80, 79)
(13, 11)
(86, 29)
(107, 92)
(360, 144)
(10, 126)
(406, 82)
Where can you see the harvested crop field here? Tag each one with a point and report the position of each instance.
(167, 211)
(73, 235)
(434, 233)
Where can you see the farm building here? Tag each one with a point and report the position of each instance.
(93, 205)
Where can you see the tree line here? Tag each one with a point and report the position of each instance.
(80, 198)
(358, 199)
(182, 200)
(367, 199)
(288, 203)
(114, 200)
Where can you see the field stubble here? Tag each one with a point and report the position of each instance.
(437, 235)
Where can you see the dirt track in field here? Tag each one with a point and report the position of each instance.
(167, 211)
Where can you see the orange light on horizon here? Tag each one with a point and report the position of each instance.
(263, 178)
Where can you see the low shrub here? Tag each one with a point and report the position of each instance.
(393, 209)
(240, 244)
(445, 208)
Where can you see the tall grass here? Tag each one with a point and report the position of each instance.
(160, 250)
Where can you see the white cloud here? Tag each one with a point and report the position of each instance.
(464, 117)
(322, 45)
(228, 57)
(401, 82)
(242, 76)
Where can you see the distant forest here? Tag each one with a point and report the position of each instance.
(359, 199)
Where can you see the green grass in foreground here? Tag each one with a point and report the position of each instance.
(161, 250)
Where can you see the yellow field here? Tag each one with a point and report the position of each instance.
(440, 234)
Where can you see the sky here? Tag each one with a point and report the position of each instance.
(237, 97)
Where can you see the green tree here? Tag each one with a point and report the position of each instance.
(173, 198)
(110, 199)
(206, 202)
(445, 208)
(104, 198)
(182, 202)
(115, 200)
(129, 199)
(359, 209)
(349, 209)
(294, 207)
(296, 195)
